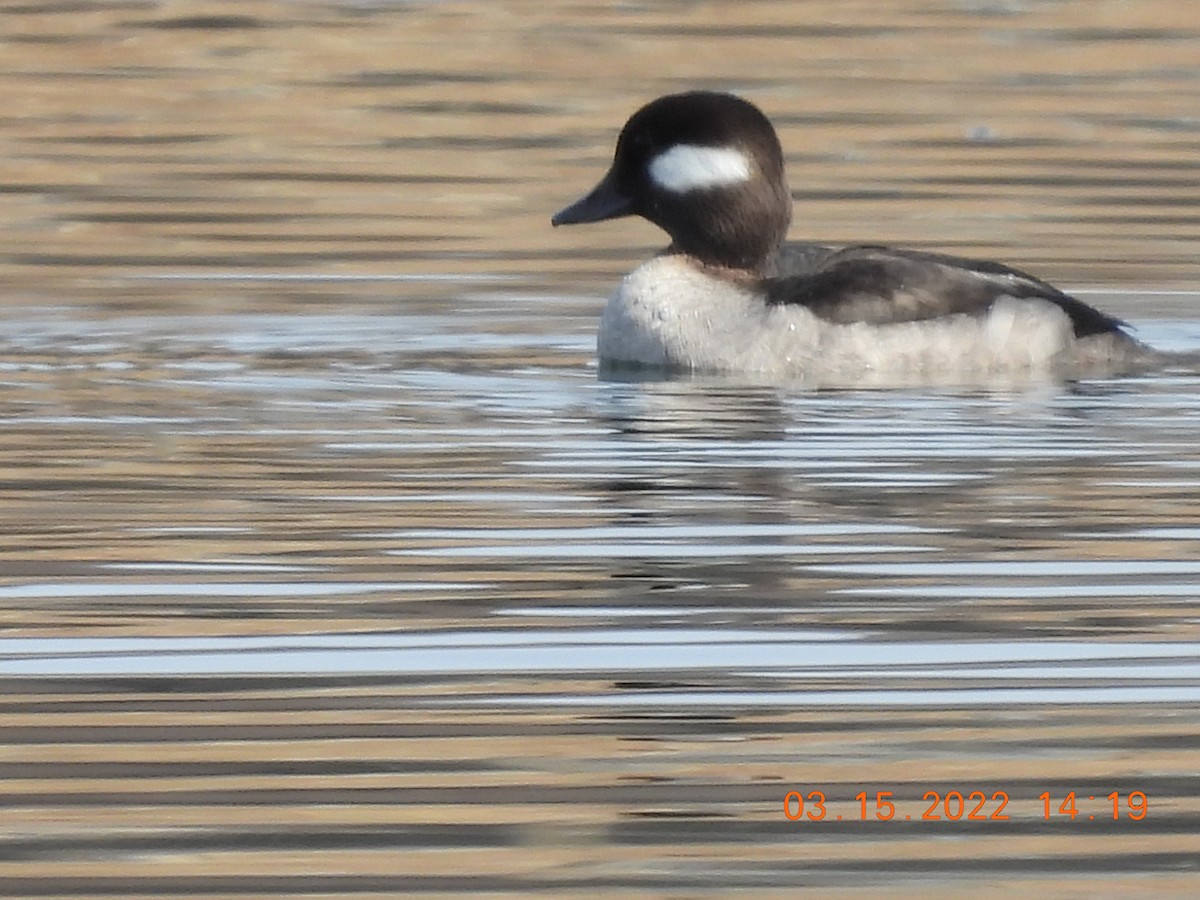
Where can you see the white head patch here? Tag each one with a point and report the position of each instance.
(687, 167)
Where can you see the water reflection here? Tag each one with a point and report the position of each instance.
(324, 549)
(805, 668)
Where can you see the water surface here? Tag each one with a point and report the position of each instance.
(324, 551)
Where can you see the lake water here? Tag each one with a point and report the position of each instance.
(329, 565)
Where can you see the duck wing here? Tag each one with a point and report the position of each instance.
(881, 285)
(799, 258)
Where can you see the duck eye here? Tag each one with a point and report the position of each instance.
(643, 143)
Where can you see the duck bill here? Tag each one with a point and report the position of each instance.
(604, 202)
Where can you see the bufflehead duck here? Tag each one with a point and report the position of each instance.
(728, 295)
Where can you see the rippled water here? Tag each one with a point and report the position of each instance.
(324, 552)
